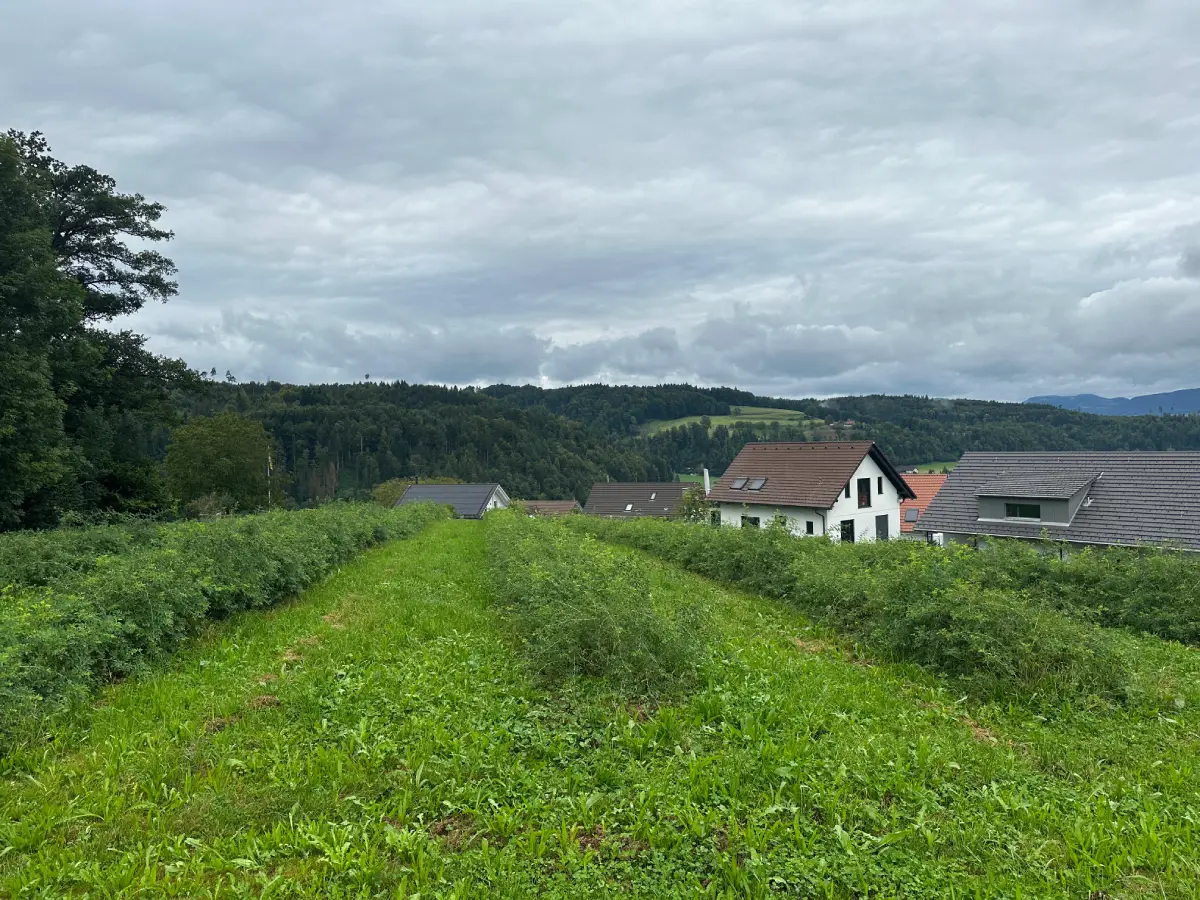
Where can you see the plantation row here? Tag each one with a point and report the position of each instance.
(1012, 624)
(78, 608)
(580, 608)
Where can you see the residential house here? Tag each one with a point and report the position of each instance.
(628, 500)
(470, 501)
(926, 488)
(846, 489)
(551, 508)
(1082, 498)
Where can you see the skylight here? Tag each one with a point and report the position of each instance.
(738, 484)
(756, 484)
(628, 507)
(653, 495)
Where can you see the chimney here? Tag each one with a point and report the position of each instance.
(707, 485)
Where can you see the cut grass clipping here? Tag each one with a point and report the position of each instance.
(583, 610)
(96, 614)
(907, 602)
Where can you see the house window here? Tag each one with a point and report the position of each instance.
(1022, 510)
(756, 484)
(879, 486)
(750, 521)
(864, 493)
(808, 527)
(847, 490)
(882, 528)
(912, 514)
(738, 484)
(628, 507)
(847, 531)
(714, 517)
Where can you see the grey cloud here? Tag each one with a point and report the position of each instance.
(865, 195)
(1189, 263)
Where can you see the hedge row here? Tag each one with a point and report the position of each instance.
(583, 609)
(119, 612)
(904, 601)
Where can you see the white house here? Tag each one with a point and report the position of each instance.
(846, 489)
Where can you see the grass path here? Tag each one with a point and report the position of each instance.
(378, 737)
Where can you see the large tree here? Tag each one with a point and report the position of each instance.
(224, 456)
(81, 407)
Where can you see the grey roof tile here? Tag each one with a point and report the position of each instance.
(468, 500)
(1046, 487)
(646, 498)
(1136, 498)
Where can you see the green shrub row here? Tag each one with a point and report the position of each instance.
(39, 558)
(1144, 590)
(124, 610)
(583, 609)
(903, 601)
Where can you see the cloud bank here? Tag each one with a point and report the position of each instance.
(994, 199)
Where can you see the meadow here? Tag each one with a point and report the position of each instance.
(749, 415)
(411, 726)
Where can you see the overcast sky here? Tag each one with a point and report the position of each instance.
(994, 198)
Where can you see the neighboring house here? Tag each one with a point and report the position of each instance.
(551, 507)
(926, 488)
(846, 489)
(628, 500)
(470, 501)
(1085, 498)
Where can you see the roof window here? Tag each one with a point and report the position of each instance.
(628, 507)
(756, 484)
(738, 484)
(653, 494)
(912, 514)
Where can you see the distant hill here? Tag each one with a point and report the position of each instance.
(1176, 402)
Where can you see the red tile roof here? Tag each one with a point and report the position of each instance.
(808, 474)
(926, 488)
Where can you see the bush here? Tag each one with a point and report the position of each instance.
(582, 609)
(72, 625)
(904, 601)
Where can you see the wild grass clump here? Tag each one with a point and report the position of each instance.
(91, 618)
(584, 609)
(905, 602)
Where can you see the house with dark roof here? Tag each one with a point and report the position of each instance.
(925, 487)
(1117, 499)
(470, 501)
(635, 499)
(551, 508)
(846, 489)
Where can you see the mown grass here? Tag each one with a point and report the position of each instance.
(380, 737)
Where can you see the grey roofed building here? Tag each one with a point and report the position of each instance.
(635, 499)
(470, 501)
(1091, 498)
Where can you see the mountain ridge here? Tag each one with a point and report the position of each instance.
(1183, 402)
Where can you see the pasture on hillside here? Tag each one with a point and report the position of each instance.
(749, 415)
(442, 718)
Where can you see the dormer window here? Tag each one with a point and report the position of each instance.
(738, 484)
(1031, 511)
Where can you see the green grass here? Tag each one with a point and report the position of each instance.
(379, 737)
(752, 415)
(934, 468)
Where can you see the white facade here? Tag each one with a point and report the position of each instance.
(863, 520)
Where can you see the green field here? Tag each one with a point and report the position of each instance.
(935, 468)
(752, 415)
(382, 736)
